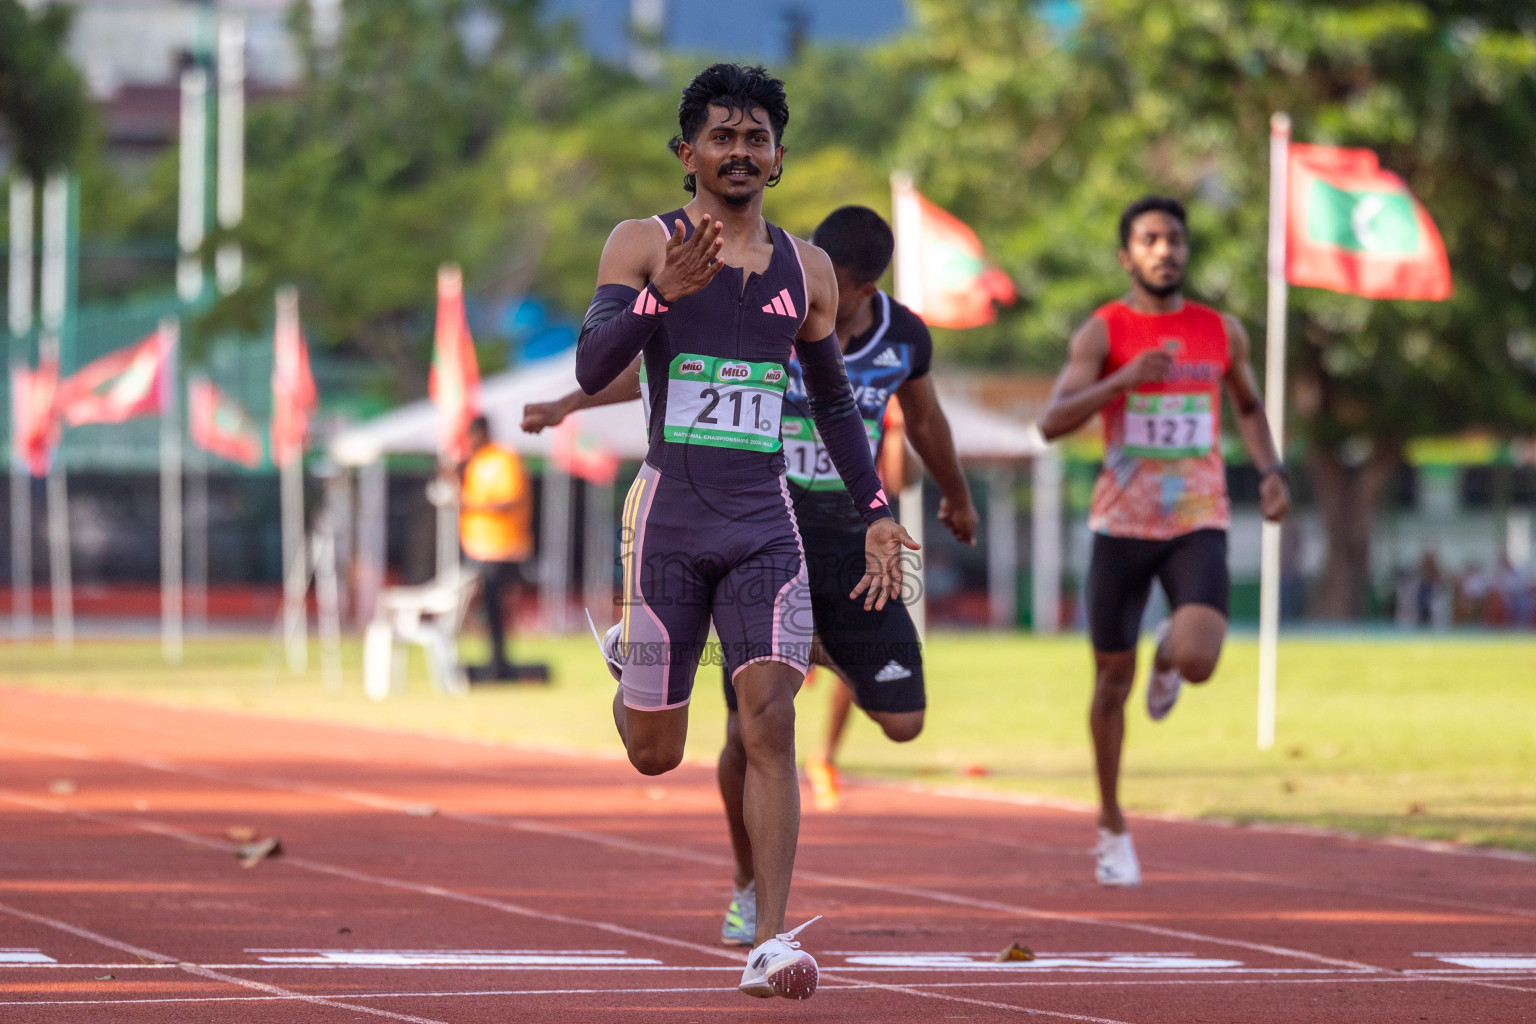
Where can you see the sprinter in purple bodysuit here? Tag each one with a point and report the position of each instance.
(715, 299)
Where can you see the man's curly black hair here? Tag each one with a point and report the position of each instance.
(737, 89)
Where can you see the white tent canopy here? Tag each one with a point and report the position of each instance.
(980, 436)
(412, 429)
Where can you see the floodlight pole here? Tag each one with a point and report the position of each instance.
(1274, 409)
(58, 198)
(170, 498)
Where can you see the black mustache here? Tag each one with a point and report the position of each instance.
(741, 165)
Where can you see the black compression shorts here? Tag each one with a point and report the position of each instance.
(877, 652)
(1192, 569)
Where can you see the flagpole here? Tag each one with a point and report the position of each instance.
(19, 304)
(170, 498)
(54, 293)
(291, 492)
(1274, 387)
(197, 539)
(907, 214)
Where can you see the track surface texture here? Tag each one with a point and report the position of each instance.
(436, 880)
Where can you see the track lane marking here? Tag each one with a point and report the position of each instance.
(200, 971)
(435, 890)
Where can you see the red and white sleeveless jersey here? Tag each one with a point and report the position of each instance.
(1163, 473)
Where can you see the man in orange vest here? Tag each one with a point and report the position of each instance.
(495, 516)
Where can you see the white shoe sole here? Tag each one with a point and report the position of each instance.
(794, 980)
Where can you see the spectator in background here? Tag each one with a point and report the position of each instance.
(495, 530)
(1472, 592)
(1514, 590)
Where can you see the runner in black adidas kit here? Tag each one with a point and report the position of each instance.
(715, 299)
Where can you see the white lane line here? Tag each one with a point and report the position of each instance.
(203, 972)
(435, 890)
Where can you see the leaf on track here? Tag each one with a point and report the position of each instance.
(252, 854)
(1015, 952)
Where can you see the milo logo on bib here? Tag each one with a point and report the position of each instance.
(724, 403)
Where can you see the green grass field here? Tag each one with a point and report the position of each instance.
(1434, 739)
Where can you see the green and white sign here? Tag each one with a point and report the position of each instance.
(724, 403)
(809, 462)
(1168, 426)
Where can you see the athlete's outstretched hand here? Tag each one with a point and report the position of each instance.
(882, 563)
(961, 519)
(538, 415)
(691, 263)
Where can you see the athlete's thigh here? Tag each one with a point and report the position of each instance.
(877, 653)
(666, 587)
(1194, 571)
(761, 603)
(1195, 577)
(1120, 573)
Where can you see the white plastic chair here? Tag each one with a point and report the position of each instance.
(429, 616)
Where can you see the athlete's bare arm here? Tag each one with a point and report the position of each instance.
(928, 430)
(1080, 392)
(625, 388)
(885, 538)
(1252, 424)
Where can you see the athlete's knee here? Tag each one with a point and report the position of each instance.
(902, 728)
(1196, 666)
(654, 758)
(1112, 681)
(768, 729)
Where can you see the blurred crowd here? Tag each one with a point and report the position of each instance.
(1430, 597)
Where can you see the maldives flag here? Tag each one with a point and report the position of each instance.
(219, 425)
(293, 387)
(956, 285)
(35, 415)
(120, 385)
(577, 452)
(1352, 227)
(455, 381)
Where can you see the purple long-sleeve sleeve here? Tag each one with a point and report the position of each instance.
(840, 425)
(618, 324)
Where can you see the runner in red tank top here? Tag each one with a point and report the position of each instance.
(1154, 365)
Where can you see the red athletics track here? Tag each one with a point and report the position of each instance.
(547, 887)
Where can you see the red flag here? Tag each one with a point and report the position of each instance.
(577, 452)
(956, 284)
(35, 415)
(120, 385)
(219, 425)
(455, 381)
(1352, 227)
(293, 388)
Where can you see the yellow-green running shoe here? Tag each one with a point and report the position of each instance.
(740, 927)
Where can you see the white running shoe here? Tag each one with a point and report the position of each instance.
(1162, 686)
(740, 926)
(608, 647)
(1117, 864)
(779, 967)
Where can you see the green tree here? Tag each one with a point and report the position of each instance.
(42, 100)
(1039, 140)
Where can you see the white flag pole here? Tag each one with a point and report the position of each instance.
(907, 213)
(291, 491)
(192, 215)
(19, 305)
(1274, 409)
(229, 170)
(170, 499)
(54, 306)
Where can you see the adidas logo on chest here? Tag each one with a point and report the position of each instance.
(887, 357)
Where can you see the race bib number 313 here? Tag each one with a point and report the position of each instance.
(809, 462)
(1169, 426)
(724, 403)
